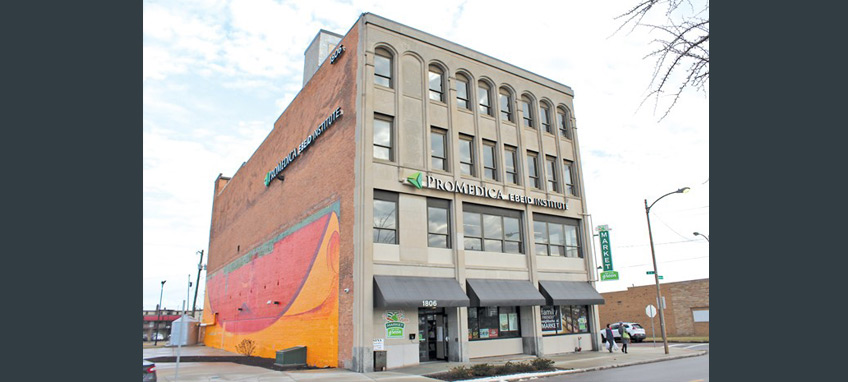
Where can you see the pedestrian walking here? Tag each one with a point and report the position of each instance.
(625, 337)
(610, 338)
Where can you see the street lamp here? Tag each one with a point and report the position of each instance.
(159, 315)
(701, 235)
(654, 257)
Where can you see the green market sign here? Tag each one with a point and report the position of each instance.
(395, 323)
(458, 187)
(606, 251)
(276, 172)
(609, 275)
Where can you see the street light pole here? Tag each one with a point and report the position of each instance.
(701, 235)
(159, 315)
(197, 285)
(654, 258)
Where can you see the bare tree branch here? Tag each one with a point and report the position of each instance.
(683, 45)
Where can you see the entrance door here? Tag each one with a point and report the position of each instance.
(432, 334)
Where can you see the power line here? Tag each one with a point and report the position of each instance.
(656, 244)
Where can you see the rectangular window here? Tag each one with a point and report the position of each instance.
(438, 223)
(490, 322)
(562, 124)
(466, 155)
(701, 315)
(382, 69)
(383, 137)
(550, 173)
(439, 149)
(506, 107)
(490, 168)
(511, 162)
(461, 93)
(385, 217)
(491, 229)
(533, 170)
(567, 182)
(556, 236)
(483, 100)
(564, 319)
(436, 92)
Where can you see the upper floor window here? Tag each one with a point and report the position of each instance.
(439, 149)
(490, 168)
(556, 236)
(545, 118)
(506, 105)
(385, 217)
(533, 170)
(550, 173)
(438, 223)
(383, 137)
(491, 229)
(483, 98)
(527, 112)
(511, 163)
(563, 123)
(568, 183)
(461, 92)
(466, 155)
(436, 86)
(383, 68)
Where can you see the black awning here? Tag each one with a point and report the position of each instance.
(488, 292)
(412, 292)
(570, 293)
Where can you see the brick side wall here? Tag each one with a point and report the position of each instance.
(247, 214)
(680, 298)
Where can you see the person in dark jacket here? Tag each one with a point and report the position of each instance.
(625, 337)
(610, 338)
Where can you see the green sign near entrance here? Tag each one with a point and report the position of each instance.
(609, 275)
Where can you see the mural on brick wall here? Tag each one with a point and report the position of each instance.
(281, 294)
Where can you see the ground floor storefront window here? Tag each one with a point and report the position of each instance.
(565, 319)
(493, 322)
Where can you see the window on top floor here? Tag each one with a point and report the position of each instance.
(545, 118)
(527, 112)
(436, 84)
(383, 68)
(462, 92)
(506, 105)
(564, 123)
(484, 103)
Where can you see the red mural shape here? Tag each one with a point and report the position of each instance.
(276, 277)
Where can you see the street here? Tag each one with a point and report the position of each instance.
(693, 369)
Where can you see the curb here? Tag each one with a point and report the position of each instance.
(519, 377)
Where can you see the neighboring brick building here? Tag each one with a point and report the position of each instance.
(686, 314)
(416, 197)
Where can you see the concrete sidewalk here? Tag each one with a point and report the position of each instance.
(228, 371)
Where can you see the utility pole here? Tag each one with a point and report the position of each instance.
(159, 315)
(197, 285)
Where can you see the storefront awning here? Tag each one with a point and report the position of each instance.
(417, 292)
(488, 292)
(569, 293)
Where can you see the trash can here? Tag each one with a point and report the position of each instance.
(379, 360)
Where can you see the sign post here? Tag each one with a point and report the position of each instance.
(651, 311)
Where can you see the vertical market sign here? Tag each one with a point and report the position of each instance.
(606, 253)
(395, 323)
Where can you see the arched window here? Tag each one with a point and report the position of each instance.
(564, 122)
(462, 92)
(383, 67)
(506, 105)
(527, 112)
(545, 117)
(437, 92)
(484, 98)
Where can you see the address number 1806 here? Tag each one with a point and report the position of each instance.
(429, 303)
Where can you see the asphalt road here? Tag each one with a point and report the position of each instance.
(692, 369)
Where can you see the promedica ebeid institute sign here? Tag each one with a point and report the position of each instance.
(458, 187)
(276, 172)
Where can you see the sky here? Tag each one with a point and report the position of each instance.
(217, 74)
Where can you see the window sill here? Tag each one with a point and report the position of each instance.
(383, 161)
(440, 103)
(383, 87)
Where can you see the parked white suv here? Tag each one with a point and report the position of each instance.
(637, 333)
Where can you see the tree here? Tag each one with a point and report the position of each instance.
(682, 46)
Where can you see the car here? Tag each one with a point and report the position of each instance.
(148, 370)
(636, 331)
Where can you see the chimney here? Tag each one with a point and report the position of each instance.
(321, 47)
